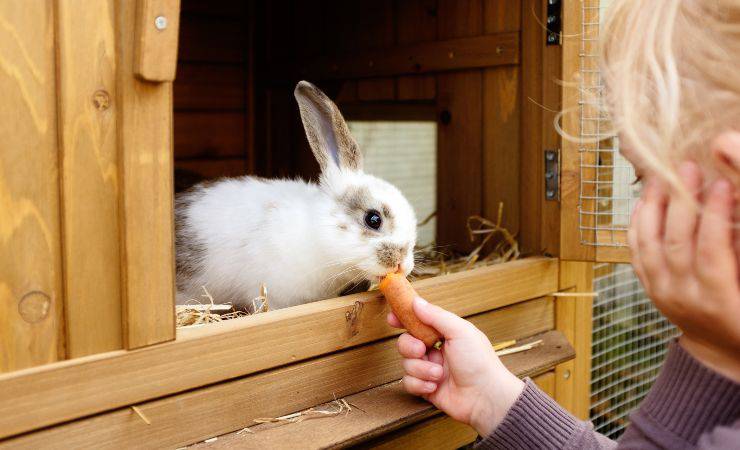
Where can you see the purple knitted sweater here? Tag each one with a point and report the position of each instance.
(689, 406)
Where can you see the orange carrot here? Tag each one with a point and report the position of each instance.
(400, 296)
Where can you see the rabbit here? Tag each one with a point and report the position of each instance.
(304, 241)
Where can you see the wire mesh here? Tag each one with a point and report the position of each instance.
(628, 347)
(607, 194)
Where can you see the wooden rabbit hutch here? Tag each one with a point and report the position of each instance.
(93, 123)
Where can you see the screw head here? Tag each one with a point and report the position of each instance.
(160, 23)
(550, 156)
(550, 193)
(566, 374)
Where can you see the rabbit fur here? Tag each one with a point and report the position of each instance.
(304, 241)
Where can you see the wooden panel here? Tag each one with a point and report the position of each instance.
(439, 432)
(214, 168)
(501, 117)
(546, 382)
(383, 409)
(201, 356)
(376, 89)
(145, 146)
(422, 87)
(156, 30)
(552, 100)
(416, 21)
(211, 135)
(451, 54)
(531, 178)
(189, 417)
(31, 328)
(501, 15)
(90, 183)
(210, 87)
(214, 40)
(457, 18)
(573, 317)
(459, 152)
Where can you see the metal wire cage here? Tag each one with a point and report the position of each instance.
(607, 194)
(628, 347)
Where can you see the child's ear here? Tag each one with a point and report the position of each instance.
(726, 154)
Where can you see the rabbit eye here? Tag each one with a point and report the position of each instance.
(373, 219)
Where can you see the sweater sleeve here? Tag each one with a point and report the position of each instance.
(536, 421)
(687, 402)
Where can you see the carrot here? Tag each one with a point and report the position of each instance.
(400, 296)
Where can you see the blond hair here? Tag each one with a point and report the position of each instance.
(672, 74)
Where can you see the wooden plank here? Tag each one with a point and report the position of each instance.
(156, 31)
(221, 408)
(212, 39)
(501, 119)
(546, 382)
(501, 15)
(383, 409)
(210, 134)
(374, 89)
(416, 21)
(207, 87)
(450, 54)
(213, 168)
(571, 234)
(460, 139)
(145, 171)
(416, 87)
(459, 152)
(90, 185)
(442, 431)
(531, 174)
(552, 92)
(206, 355)
(31, 296)
(573, 318)
(457, 18)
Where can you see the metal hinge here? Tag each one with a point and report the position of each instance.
(552, 175)
(554, 22)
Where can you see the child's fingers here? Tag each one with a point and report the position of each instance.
(715, 256)
(442, 320)
(650, 224)
(393, 320)
(681, 221)
(423, 370)
(410, 347)
(435, 356)
(634, 250)
(416, 386)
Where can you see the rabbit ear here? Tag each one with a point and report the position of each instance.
(327, 132)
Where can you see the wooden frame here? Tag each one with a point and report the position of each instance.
(571, 246)
(88, 399)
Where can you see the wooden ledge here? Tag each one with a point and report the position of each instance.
(59, 392)
(382, 409)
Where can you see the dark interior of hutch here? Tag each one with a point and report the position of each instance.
(479, 70)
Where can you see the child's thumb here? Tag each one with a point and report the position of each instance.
(442, 320)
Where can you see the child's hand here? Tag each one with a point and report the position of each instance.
(687, 263)
(465, 379)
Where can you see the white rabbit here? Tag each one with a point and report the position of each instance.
(304, 241)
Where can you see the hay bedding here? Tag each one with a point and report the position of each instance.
(495, 245)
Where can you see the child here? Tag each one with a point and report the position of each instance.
(672, 71)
